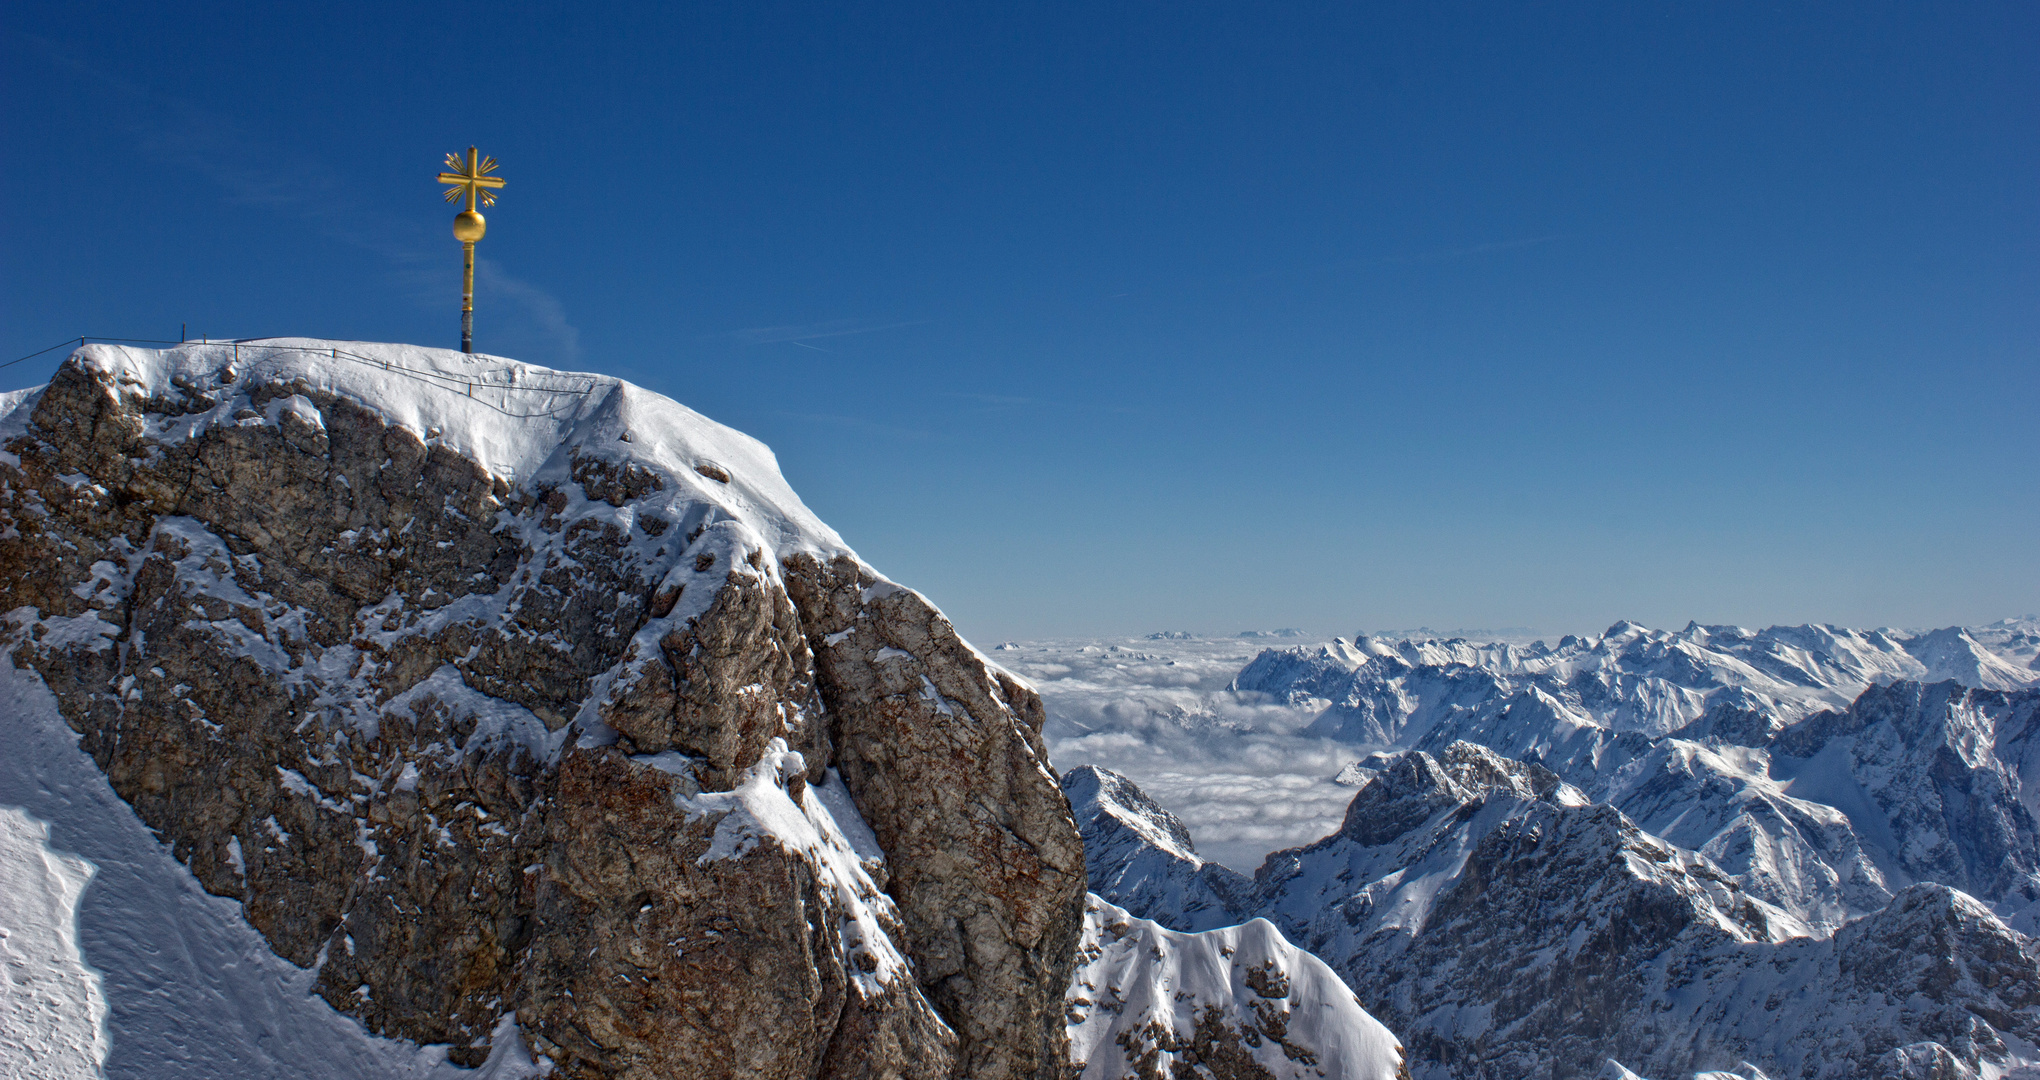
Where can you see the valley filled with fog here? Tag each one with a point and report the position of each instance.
(1238, 771)
(1252, 771)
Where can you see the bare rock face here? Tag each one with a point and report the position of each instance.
(944, 754)
(540, 697)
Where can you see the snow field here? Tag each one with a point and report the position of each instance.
(159, 980)
(52, 1010)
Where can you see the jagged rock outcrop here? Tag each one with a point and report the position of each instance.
(1928, 759)
(491, 690)
(944, 754)
(1140, 857)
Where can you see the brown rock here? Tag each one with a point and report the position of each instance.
(944, 756)
(335, 665)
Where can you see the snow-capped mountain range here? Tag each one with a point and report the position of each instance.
(1504, 926)
(1812, 762)
(1647, 853)
(1630, 678)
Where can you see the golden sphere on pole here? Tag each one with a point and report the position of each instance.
(469, 226)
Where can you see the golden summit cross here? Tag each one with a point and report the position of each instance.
(469, 178)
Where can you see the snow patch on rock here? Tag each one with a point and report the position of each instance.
(763, 807)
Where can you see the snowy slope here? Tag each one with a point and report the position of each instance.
(1233, 1002)
(180, 987)
(2015, 641)
(1799, 854)
(1954, 653)
(52, 1008)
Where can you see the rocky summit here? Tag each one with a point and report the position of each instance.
(499, 694)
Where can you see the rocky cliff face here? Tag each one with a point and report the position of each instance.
(491, 691)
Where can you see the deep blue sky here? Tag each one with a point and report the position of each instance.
(1120, 317)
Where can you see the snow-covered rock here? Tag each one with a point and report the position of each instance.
(1919, 771)
(1139, 856)
(489, 690)
(1932, 987)
(1237, 1002)
(1803, 856)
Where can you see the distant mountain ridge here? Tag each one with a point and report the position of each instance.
(1707, 735)
(1631, 678)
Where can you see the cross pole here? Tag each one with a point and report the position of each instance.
(469, 178)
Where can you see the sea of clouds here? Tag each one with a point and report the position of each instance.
(1235, 769)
